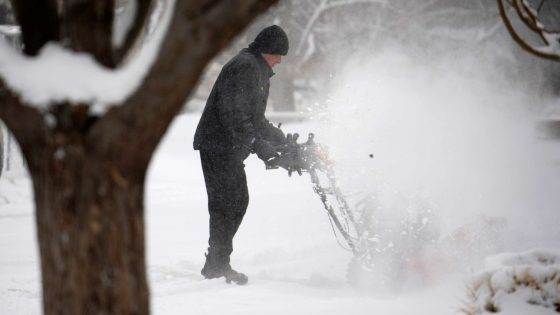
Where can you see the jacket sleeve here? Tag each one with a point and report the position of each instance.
(236, 110)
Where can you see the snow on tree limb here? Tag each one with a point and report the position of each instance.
(58, 74)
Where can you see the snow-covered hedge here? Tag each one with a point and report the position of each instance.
(517, 284)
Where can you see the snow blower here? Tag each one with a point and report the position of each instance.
(311, 157)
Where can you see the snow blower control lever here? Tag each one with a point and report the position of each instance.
(299, 157)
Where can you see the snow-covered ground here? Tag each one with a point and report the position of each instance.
(285, 245)
(518, 281)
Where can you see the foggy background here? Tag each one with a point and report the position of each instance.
(326, 35)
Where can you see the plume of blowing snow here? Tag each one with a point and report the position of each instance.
(457, 134)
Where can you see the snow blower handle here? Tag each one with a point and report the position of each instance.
(298, 157)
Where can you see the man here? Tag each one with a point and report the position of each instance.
(232, 126)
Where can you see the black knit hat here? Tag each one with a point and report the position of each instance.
(271, 40)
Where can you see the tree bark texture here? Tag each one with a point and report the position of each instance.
(39, 23)
(88, 172)
(90, 231)
(89, 215)
(92, 20)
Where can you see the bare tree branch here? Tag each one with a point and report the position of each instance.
(316, 14)
(550, 51)
(524, 13)
(324, 6)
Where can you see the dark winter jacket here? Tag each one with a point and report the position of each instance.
(233, 117)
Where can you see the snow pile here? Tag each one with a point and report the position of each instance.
(531, 277)
(58, 74)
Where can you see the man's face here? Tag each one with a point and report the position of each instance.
(272, 60)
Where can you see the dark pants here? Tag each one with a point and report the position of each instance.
(228, 198)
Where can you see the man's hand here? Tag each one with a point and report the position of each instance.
(265, 151)
(278, 135)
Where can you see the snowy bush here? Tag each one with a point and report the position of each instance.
(513, 282)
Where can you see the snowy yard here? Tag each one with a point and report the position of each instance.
(285, 245)
(429, 109)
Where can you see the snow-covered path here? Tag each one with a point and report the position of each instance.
(285, 245)
(19, 264)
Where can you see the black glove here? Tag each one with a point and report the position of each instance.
(265, 151)
(277, 135)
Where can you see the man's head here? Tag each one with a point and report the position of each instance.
(272, 42)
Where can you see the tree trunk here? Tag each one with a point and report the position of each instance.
(90, 223)
(91, 232)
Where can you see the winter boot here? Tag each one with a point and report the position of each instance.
(236, 277)
(227, 272)
(213, 268)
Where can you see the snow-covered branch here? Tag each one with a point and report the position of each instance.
(58, 74)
